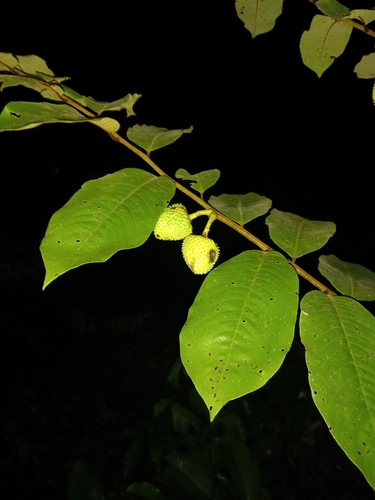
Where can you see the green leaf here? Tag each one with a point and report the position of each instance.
(127, 102)
(240, 326)
(7, 61)
(241, 208)
(338, 335)
(36, 84)
(201, 181)
(323, 43)
(151, 138)
(298, 236)
(41, 79)
(145, 490)
(83, 482)
(366, 68)
(192, 473)
(332, 8)
(259, 16)
(364, 16)
(116, 212)
(243, 468)
(25, 115)
(31, 64)
(349, 279)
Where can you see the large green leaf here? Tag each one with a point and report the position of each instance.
(324, 42)
(25, 115)
(116, 212)
(296, 235)
(240, 326)
(201, 181)
(338, 334)
(241, 208)
(151, 138)
(349, 279)
(259, 16)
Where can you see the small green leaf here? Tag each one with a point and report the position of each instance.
(332, 8)
(241, 208)
(298, 236)
(240, 326)
(145, 490)
(259, 16)
(151, 138)
(116, 212)
(25, 115)
(364, 16)
(201, 181)
(7, 61)
(338, 335)
(31, 64)
(323, 43)
(33, 83)
(349, 279)
(366, 68)
(98, 107)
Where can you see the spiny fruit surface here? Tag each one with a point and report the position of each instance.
(173, 224)
(200, 253)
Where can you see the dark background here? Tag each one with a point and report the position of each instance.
(85, 360)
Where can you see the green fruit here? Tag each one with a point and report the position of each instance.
(200, 253)
(173, 224)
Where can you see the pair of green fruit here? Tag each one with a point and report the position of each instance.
(200, 252)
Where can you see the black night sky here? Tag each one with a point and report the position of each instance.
(85, 361)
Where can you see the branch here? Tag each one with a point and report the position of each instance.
(225, 220)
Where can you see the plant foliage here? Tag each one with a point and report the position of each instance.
(242, 321)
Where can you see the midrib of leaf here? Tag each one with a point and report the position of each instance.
(297, 238)
(251, 288)
(256, 16)
(353, 359)
(153, 141)
(326, 37)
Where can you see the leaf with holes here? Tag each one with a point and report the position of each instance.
(349, 279)
(127, 102)
(116, 212)
(241, 208)
(240, 326)
(151, 138)
(323, 43)
(25, 115)
(338, 335)
(259, 16)
(296, 235)
(201, 181)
